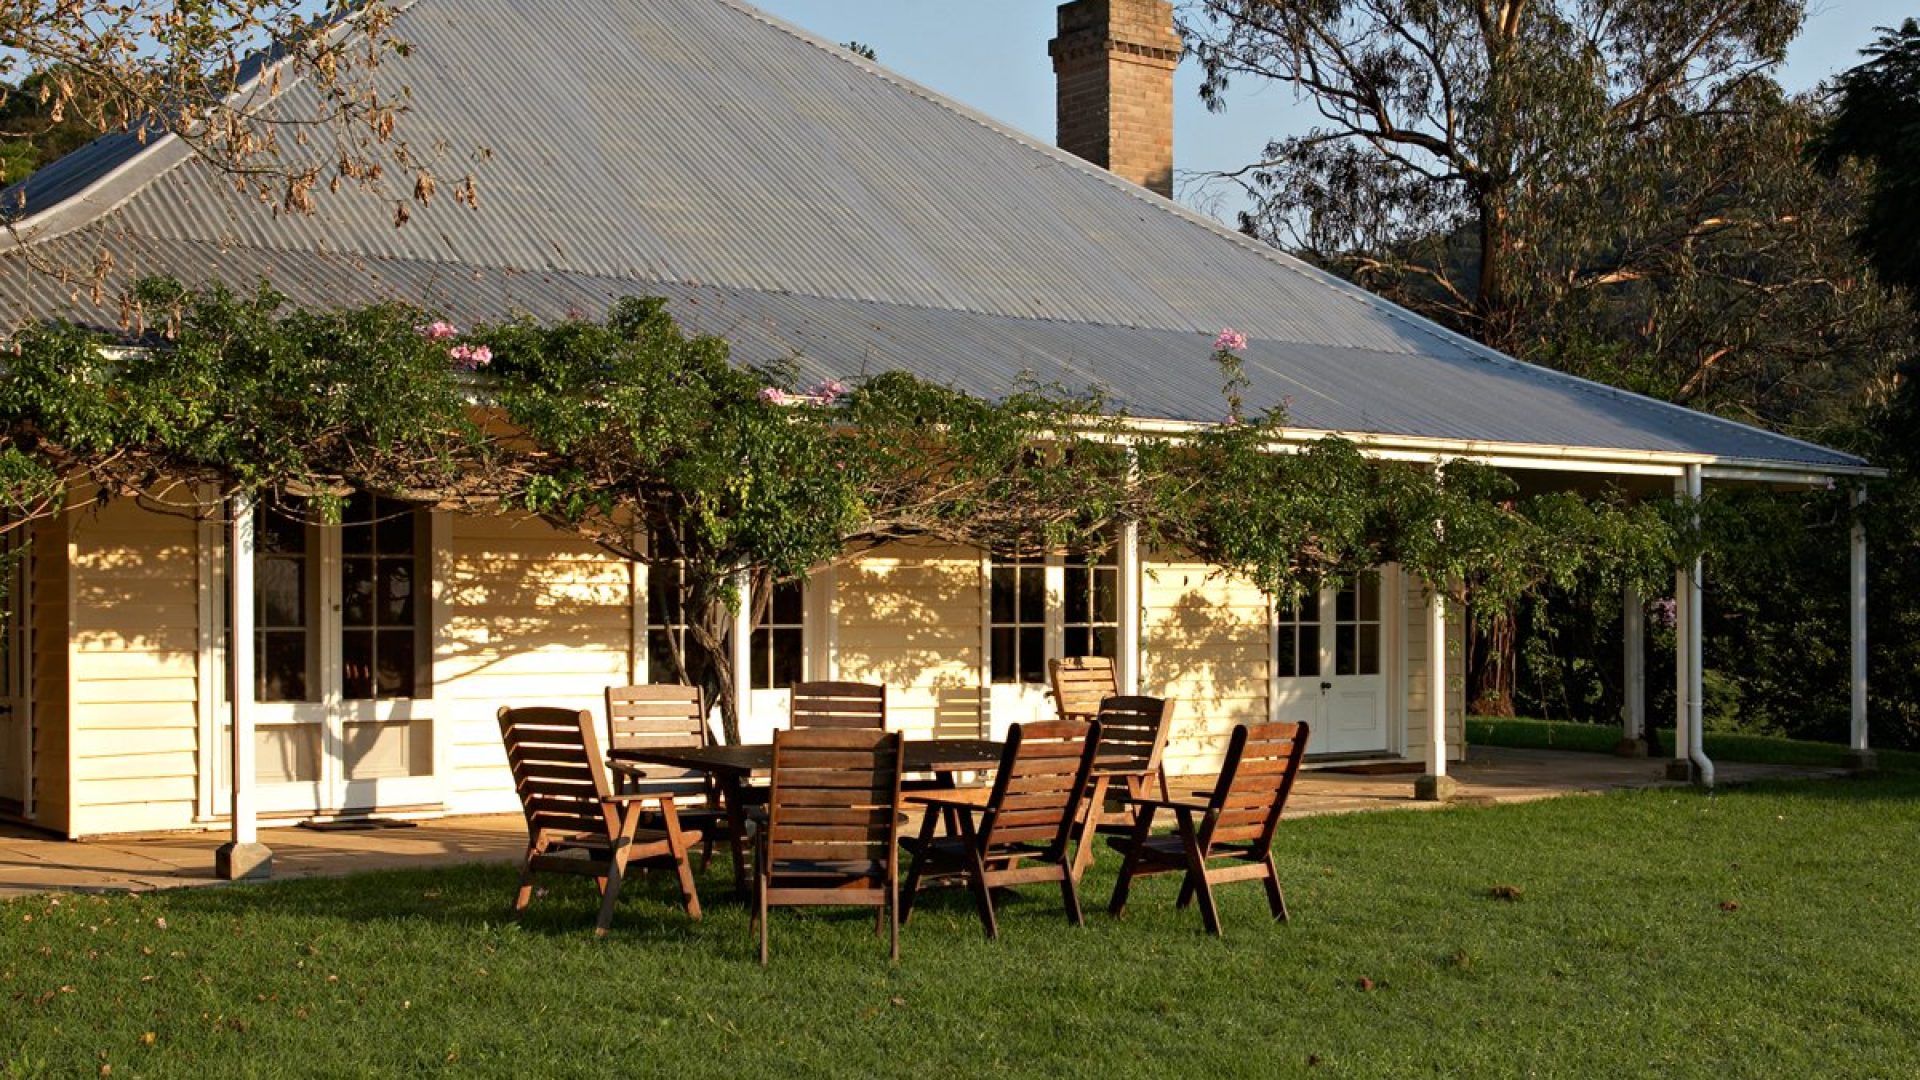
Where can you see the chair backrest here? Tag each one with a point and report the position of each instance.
(558, 770)
(1080, 684)
(1037, 791)
(657, 717)
(834, 805)
(1133, 734)
(1262, 761)
(844, 705)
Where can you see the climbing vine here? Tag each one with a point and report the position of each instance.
(654, 444)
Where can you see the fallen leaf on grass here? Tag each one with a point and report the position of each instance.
(1364, 984)
(1729, 905)
(1505, 892)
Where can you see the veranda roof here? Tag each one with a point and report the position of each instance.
(819, 210)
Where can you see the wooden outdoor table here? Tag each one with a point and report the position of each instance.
(732, 766)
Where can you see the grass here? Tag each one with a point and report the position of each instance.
(1758, 931)
(1721, 746)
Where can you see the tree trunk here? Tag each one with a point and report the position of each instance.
(1491, 659)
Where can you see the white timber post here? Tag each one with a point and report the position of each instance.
(1689, 750)
(742, 649)
(1127, 664)
(1860, 756)
(1436, 785)
(243, 856)
(1633, 681)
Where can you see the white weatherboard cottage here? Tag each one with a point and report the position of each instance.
(801, 203)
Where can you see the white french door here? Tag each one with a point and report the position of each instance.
(343, 686)
(1330, 664)
(1043, 609)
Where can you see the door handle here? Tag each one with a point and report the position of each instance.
(1325, 686)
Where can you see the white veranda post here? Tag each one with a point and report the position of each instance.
(1633, 649)
(742, 650)
(243, 856)
(1436, 785)
(1127, 664)
(1862, 755)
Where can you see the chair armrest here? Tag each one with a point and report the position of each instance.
(950, 802)
(628, 769)
(1172, 804)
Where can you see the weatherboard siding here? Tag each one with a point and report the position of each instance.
(1206, 639)
(133, 661)
(909, 615)
(531, 617)
(1416, 654)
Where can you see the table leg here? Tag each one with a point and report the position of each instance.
(730, 790)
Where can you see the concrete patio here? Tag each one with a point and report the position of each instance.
(32, 863)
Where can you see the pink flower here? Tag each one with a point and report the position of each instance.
(1230, 340)
(1230, 421)
(827, 392)
(773, 395)
(470, 357)
(438, 330)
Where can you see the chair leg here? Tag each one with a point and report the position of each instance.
(1071, 893)
(760, 912)
(1142, 828)
(982, 893)
(927, 825)
(524, 894)
(610, 894)
(1186, 893)
(1276, 897)
(893, 918)
(1197, 875)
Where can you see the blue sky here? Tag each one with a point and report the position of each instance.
(992, 55)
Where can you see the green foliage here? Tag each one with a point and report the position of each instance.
(1876, 121)
(654, 445)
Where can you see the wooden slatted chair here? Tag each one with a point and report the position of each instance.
(1080, 684)
(575, 822)
(661, 717)
(1133, 736)
(1029, 817)
(832, 826)
(1235, 822)
(844, 705)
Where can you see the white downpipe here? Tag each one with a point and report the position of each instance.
(742, 650)
(240, 661)
(1633, 638)
(1857, 625)
(1127, 664)
(1695, 616)
(1436, 681)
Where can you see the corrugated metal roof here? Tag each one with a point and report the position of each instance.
(815, 208)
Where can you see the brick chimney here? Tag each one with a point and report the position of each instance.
(1113, 67)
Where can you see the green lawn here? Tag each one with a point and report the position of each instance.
(1766, 931)
(1721, 746)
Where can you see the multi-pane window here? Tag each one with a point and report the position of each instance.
(778, 646)
(1356, 627)
(1017, 603)
(1297, 639)
(284, 609)
(1092, 620)
(666, 612)
(381, 606)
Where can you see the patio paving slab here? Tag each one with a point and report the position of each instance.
(33, 862)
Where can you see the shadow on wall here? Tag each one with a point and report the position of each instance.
(1209, 656)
